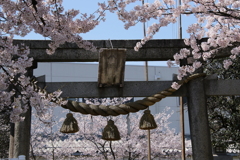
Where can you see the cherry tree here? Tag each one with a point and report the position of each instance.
(52, 144)
(224, 110)
(4, 134)
(218, 20)
(18, 91)
(133, 144)
(49, 19)
(49, 143)
(216, 28)
(108, 101)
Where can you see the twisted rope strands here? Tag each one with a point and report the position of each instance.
(116, 110)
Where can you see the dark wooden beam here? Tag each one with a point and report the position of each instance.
(138, 88)
(153, 50)
(91, 89)
(222, 87)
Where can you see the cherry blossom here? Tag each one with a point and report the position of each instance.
(217, 21)
(175, 85)
(227, 63)
(133, 143)
(216, 28)
(45, 17)
(16, 85)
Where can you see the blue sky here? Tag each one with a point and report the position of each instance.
(113, 29)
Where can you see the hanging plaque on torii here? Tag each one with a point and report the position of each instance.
(111, 67)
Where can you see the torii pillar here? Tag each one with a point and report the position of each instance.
(198, 117)
(21, 131)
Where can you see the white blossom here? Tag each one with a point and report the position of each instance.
(175, 85)
(227, 63)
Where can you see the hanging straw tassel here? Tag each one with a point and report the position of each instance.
(70, 124)
(110, 132)
(147, 121)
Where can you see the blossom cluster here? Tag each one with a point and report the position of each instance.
(48, 18)
(51, 144)
(45, 17)
(218, 21)
(107, 101)
(17, 90)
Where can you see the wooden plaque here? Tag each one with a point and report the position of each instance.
(111, 67)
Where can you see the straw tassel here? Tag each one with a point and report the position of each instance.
(147, 121)
(110, 132)
(70, 124)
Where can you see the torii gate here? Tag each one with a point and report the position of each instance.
(155, 50)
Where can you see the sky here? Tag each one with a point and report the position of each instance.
(113, 29)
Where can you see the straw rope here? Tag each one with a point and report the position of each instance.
(116, 110)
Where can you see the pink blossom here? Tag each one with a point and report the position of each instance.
(227, 63)
(61, 26)
(205, 46)
(235, 51)
(170, 63)
(197, 64)
(175, 85)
